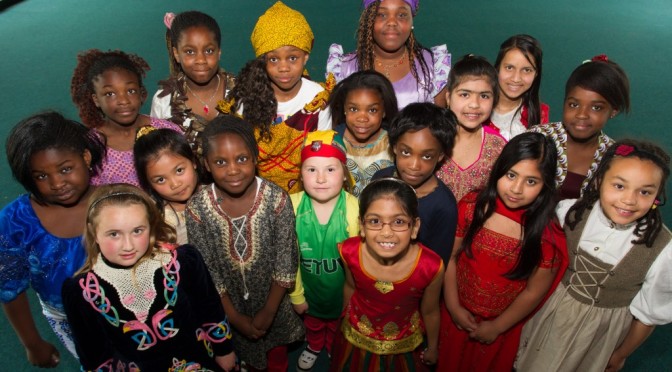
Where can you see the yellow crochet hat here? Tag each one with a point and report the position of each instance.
(281, 26)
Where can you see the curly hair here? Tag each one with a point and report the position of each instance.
(254, 91)
(90, 65)
(651, 223)
(531, 49)
(182, 22)
(365, 43)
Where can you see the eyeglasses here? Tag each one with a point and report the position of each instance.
(397, 225)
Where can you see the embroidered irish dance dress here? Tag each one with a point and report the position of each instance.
(163, 314)
(382, 326)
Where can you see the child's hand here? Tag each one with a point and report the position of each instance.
(463, 319)
(43, 355)
(263, 319)
(243, 324)
(429, 356)
(300, 308)
(227, 362)
(616, 363)
(486, 332)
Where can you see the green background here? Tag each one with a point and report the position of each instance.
(39, 41)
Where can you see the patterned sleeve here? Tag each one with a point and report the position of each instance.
(161, 124)
(335, 61)
(14, 267)
(284, 242)
(441, 65)
(465, 213)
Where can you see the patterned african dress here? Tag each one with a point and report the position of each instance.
(164, 315)
(462, 181)
(118, 166)
(407, 89)
(382, 327)
(486, 293)
(245, 256)
(30, 256)
(556, 131)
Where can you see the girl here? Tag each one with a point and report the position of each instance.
(618, 283)
(596, 91)
(272, 94)
(518, 67)
(196, 82)
(244, 225)
(386, 43)
(326, 214)
(107, 88)
(168, 170)
(53, 158)
(118, 321)
(392, 286)
(362, 106)
(508, 253)
(472, 93)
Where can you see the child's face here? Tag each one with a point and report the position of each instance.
(521, 185)
(392, 25)
(386, 243)
(198, 54)
(516, 74)
(416, 157)
(585, 113)
(322, 178)
(172, 176)
(284, 67)
(122, 233)
(629, 188)
(364, 113)
(119, 96)
(231, 163)
(471, 101)
(61, 176)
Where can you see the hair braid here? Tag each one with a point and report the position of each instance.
(365, 40)
(254, 91)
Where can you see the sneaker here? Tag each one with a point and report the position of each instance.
(307, 360)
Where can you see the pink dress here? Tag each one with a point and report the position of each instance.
(462, 181)
(118, 166)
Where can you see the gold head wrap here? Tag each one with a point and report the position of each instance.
(281, 26)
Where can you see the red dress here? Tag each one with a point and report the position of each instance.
(485, 292)
(382, 327)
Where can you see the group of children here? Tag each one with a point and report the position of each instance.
(422, 230)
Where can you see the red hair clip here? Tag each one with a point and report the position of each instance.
(600, 57)
(624, 150)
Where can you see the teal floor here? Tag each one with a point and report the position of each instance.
(39, 40)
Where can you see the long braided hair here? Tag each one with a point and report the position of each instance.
(365, 43)
(651, 223)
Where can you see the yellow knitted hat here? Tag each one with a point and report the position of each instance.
(281, 26)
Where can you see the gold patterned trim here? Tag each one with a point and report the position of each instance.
(381, 347)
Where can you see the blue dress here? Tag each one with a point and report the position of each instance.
(31, 256)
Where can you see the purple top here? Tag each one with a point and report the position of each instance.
(407, 89)
(118, 166)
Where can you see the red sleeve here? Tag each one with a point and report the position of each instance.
(545, 112)
(465, 213)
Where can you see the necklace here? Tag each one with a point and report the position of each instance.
(206, 108)
(388, 66)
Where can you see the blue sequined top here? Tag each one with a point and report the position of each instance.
(30, 255)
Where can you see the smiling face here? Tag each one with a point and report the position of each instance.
(232, 164)
(173, 177)
(585, 113)
(416, 156)
(122, 233)
(198, 54)
(284, 67)
(629, 188)
(364, 113)
(61, 176)
(118, 94)
(521, 185)
(516, 74)
(387, 243)
(322, 178)
(392, 25)
(471, 101)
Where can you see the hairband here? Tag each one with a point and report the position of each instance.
(119, 193)
(396, 180)
(168, 19)
(624, 150)
(598, 58)
(144, 130)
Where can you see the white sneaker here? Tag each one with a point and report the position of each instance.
(307, 360)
